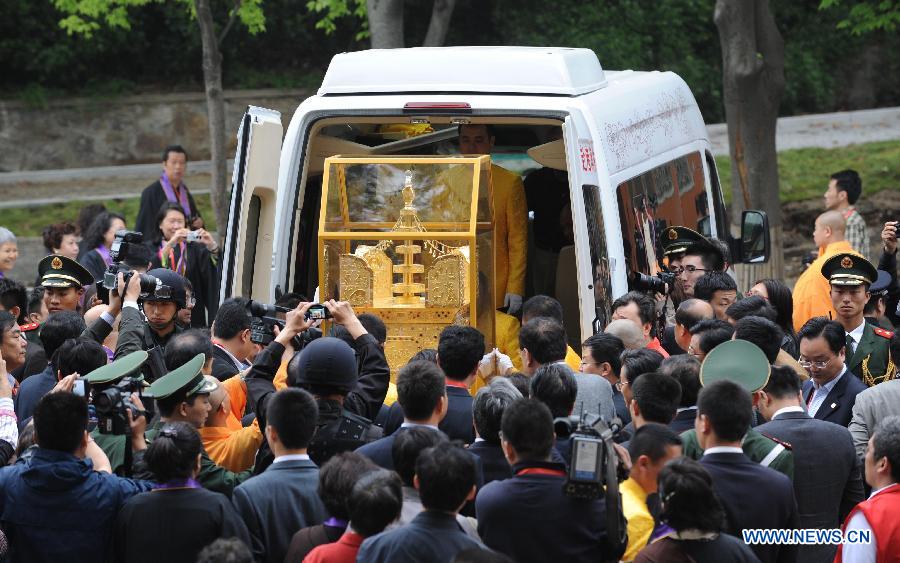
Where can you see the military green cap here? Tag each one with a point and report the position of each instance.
(118, 369)
(59, 271)
(739, 361)
(849, 269)
(186, 381)
(675, 240)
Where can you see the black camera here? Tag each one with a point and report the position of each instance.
(318, 312)
(662, 282)
(595, 469)
(113, 403)
(123, 246)
(264, 319)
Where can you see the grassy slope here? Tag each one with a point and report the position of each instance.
(803, 172)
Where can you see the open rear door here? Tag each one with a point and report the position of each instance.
(248, 256)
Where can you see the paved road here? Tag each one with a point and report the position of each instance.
(20, 189)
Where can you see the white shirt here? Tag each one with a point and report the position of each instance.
(856, 334)
(859, 552)
(723, 450)
(682, 409)
(291, 457)
(795, 408)
(414, 424)
(822, 391)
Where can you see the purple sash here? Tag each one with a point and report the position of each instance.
(178, 484)
(182, 194)
(104, 253)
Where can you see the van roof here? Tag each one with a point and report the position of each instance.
(558, 71)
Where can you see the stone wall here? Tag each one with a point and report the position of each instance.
(87, 132)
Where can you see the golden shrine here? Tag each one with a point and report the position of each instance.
(410, 239)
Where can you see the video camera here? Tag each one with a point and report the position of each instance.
(595, 469)
(264, 320)
(122, 246)
(111, 405)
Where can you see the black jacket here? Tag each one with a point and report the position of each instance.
(363, 401)
(457, 424)
(827, 479)
(223, 365)
(493, 462)
(754, 497)
(838, 404)
(152, 199)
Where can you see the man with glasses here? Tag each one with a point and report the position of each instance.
(850, 277)
(831, 391)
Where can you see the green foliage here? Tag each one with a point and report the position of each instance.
(803, 173)
(331, 11)
(866, 16)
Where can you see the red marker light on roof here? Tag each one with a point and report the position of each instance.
(437, 105)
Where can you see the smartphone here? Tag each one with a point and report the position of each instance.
(317, 313)
(80, 387)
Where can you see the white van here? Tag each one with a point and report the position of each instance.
(633, 146)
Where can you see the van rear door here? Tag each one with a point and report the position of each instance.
(247, 260)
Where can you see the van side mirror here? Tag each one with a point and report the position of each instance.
(755, 240)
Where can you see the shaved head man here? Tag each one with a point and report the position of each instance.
(812, 293)
(628, 332)
(689, 313)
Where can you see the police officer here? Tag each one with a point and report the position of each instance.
(876, 306)
(868, 347)
(349, 388)
(160, 307)
(745, 364)
(115, 446)
(183, 396)
(64, 281)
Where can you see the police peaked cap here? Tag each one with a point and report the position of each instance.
(325, 362)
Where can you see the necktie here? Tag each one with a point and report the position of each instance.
(851, 346)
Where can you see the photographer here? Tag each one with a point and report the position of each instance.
(349, 393)
(121, 449)
(161, 312)
(192, 254)
(529, 517)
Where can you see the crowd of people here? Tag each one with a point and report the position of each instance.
(135, 426)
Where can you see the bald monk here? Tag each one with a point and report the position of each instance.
(812, 292)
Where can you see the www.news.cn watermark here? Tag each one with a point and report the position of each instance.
(808, 536)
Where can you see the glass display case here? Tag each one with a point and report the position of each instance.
(410, 239)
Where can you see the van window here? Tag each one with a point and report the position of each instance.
(673, 194)
(249, 254)
(718, 200)
(599, 260)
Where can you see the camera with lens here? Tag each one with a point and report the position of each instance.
(123, 246)
(264, 319)
(113, 403)
(662, 282)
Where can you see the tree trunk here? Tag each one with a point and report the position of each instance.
(753, 81)
(386, 23)
(215, 109)
(441, 14)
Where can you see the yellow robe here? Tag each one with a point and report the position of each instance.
(812, 292)
(510, 225)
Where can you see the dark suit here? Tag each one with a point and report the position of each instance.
(457, 424)
(494, 463)
(379, 451)
(223, 366)
(827, 480)
(838, 404)
(277, 503)
(683, 420)
(754, 497)
(530, 518)
(431, 536)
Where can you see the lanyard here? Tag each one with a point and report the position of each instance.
(460, 384)
(178, 484)
(541, 471)
(168, 259)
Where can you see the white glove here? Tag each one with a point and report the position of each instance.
(513, 303)
(494, 363)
